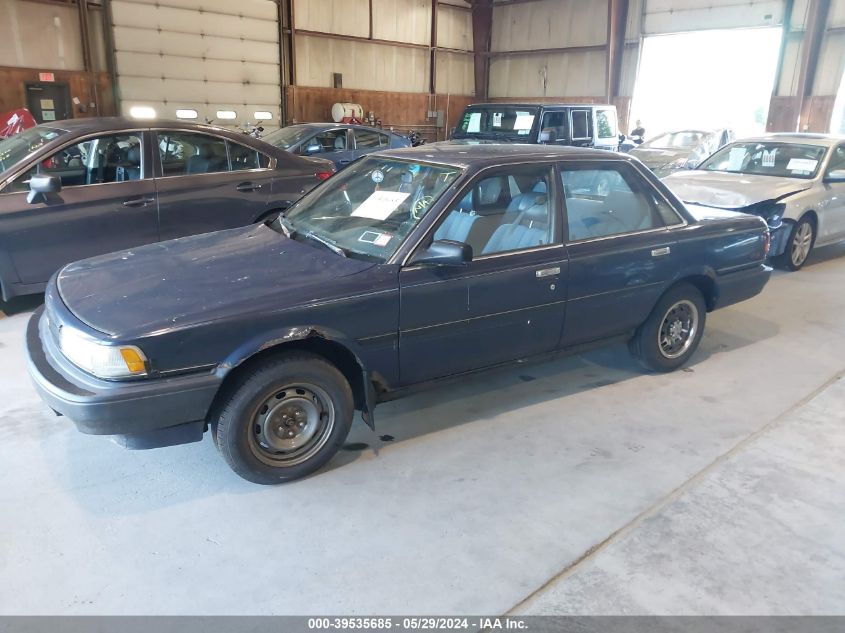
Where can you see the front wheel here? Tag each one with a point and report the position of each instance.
(672, 331)
(798, 247)
(285, 419)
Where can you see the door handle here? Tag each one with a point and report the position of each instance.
(345, 161)
(138, 202)
(659, 252)
(548, 272)
(248, 186)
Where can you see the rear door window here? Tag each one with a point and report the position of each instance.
(582, 127)
(556, 125)
(607, 200)
(366, 139)
(189, 153)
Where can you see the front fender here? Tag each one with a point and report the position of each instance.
(290, 334)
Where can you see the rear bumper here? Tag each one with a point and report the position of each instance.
(141, 414)
(741, 285)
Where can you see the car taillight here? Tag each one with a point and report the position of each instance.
(767, 242)
(324, 175)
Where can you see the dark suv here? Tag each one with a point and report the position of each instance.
(581, 125)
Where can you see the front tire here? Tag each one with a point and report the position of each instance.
(802, 237)
(285, 419)
(673, 330)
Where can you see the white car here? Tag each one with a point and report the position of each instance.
(796, 182)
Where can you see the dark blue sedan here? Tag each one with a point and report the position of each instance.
(339, 143)
(410, 267)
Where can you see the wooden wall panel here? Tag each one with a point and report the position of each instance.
(400, 110)
(13, 92)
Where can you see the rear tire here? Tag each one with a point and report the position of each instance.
(285, 419)
(800, 244)
(673, 330)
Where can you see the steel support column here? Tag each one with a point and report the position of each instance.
(482, 29)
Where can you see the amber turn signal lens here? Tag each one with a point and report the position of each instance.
(134, 361)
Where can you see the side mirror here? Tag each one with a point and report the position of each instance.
(837, 175)
(544, 137)
(313, 149)
(444, 253)
(621, 138)
(40, 185)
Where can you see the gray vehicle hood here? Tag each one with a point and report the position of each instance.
(731, 191)
(653, 157)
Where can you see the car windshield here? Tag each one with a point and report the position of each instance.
(287, 137)
(676, 140)
(368, 209)
(786, 160)
(497, 122)
(15, 148)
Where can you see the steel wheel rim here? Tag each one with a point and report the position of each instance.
(801, 243)
(677, 329)
(291, 425)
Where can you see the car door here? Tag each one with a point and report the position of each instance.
(509, 301)
(106, 203)
(621, 248)
(207, 183)
(581, 126)
(336, 145)
(833, 219)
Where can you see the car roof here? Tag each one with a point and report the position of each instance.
(522, 104)
(319, 125)
(825, 140)
(105, 124)
(488, 154)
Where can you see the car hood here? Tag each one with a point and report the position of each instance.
(655, 157)
(201, 278)
(731, 191)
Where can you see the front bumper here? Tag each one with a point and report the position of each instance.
(779, 237)
(141, 414)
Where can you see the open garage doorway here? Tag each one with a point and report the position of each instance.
(706, 80)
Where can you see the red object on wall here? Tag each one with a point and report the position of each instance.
(46, 77)
(15, 121)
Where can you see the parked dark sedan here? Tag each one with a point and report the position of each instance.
(410, 267)
(337, 142)
(74, 189)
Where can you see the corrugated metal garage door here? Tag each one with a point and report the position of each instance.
(670, 16)
(203, 55)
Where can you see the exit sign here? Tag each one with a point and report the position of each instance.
(46, 77)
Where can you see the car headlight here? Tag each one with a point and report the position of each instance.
(104, 361)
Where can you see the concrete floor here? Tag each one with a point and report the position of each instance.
(577, 486)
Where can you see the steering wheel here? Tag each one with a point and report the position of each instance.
(419, 206)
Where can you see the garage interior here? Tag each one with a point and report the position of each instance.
(579, 486)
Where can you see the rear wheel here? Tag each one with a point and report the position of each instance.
(673, 330)
(802, 237)
(285, 419)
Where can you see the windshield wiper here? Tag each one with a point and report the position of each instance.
(327, 243)
(286, 226)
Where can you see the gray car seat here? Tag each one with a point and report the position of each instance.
(531, 228)
(460, 221)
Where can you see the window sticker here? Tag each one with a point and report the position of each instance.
(524, 121)
(807, 165)
(474, 123)
(769, 157)
(736, 158)
(376, 238)
(497, 119)
(377, 176)
(380, 205)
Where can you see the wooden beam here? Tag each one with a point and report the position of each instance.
(432, 63)
(482, 30)
(617, 19)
